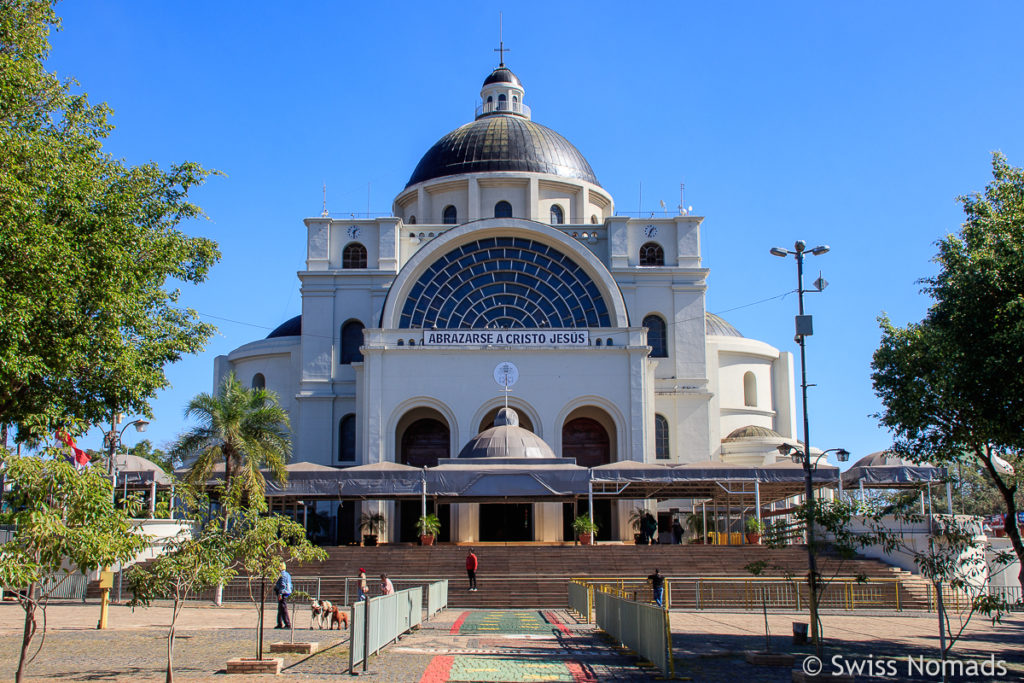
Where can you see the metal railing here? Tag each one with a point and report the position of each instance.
(516, 107)
(380, 621)
(581, 598)
(639, 626)
(741, 593)
(59, 587)
(437, 597)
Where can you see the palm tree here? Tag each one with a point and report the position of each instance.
(244, 428)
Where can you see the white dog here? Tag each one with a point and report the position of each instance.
(321, 613)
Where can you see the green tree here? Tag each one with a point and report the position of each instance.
(62, 516)
(190, 564)
(89, 248)
(144, 449)
(263, 544)
(246, 430)
(952, 385)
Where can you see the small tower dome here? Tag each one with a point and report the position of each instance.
(502, 93)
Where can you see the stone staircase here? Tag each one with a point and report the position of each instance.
(535, 576)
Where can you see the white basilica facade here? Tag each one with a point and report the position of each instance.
(504, 247)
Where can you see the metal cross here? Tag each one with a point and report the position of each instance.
(501, 49)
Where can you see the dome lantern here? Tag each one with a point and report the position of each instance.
(502, 94)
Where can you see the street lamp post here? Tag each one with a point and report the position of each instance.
(112, 441)
(804, 328)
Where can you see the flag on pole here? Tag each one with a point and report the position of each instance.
(78, 457)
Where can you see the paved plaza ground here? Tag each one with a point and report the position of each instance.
(483, 645)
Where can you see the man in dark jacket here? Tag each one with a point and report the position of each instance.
(658, 587)
(283, 588)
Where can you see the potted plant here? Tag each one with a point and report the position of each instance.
(428, 526)
(755, 528)
(584, 529)
(636, 520)
(372, 524)
(695, 523)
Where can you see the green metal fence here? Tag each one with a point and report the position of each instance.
(642, 627)
(437, 597)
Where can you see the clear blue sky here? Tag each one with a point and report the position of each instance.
(849, 124)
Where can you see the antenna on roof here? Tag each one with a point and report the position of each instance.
(324, 212)
(682, 204)
(501, 49)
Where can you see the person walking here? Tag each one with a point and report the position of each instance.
(283, 588)
(658, 587)
(651, 527)
(363, 591)
(677, 531)
(386, 587)
(471, 566)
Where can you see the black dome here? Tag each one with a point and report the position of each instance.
(502, 143)
(289, 328)
(502, 75)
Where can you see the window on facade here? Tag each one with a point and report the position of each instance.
(347, 439)
(351, 340)
(656, 337)
(259, 381)
(749, 389)
(450, 215)
(412, 220)
(661, 449)
(557, 215)
(651, 254)
(593, 219)
(354, 256)
(503, 210)
(501, 101)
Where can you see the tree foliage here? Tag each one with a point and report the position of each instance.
(952, 385)
(262, 544)
(245, 429)
(65, 520)
(89, 247)
(191, 563)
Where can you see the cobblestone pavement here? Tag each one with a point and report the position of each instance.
(490, 645)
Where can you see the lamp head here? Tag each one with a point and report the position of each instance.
(778, 251)
(797, 457)
(140, 425)
(800, 246)
(785, 449)
(842, 455)
(819, 250)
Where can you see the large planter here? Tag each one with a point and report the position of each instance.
(369, 539)
(753, 539)
(427, 539)
(586, 539)
(250, 666)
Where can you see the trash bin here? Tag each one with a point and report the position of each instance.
(799, 633)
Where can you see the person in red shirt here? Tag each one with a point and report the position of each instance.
(471, 566)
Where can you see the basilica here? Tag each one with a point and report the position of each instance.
(505, 276)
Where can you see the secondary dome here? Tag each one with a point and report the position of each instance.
(502, 143)
(506, 439)
(502, 74)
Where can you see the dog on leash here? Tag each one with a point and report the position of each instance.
(320, 611)
(338, 617)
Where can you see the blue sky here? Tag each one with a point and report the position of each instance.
(849, 124)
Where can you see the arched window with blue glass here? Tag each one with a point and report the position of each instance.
(557, 215)
(351, 340)
(347, 439)
(657, 338)
(661, 442)
(503, 210)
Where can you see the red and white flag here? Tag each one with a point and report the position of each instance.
(80, 458)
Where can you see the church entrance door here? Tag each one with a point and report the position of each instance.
(506, 522)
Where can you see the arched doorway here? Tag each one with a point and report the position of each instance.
(422, 437)
(587, 436)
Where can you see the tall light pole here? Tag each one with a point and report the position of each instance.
(112, 440)
(804, 328)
